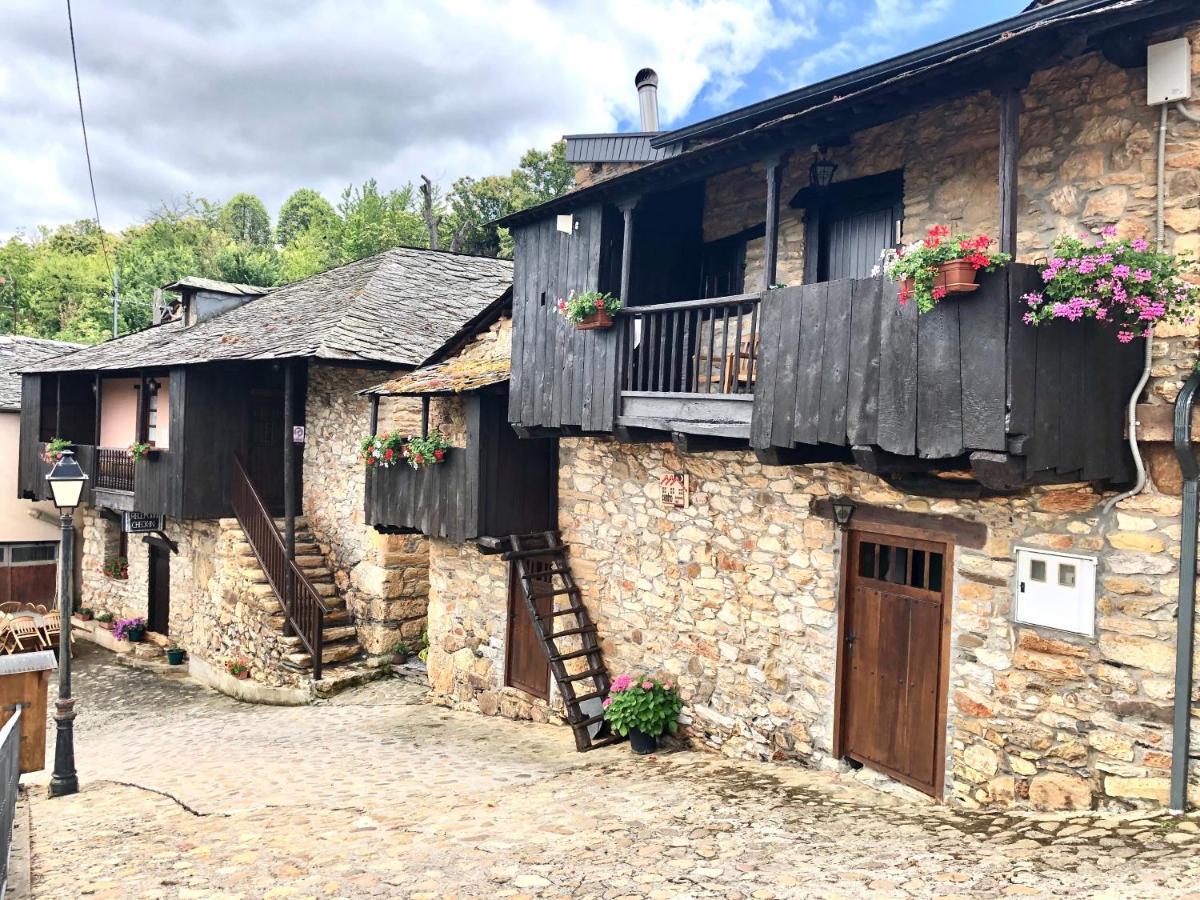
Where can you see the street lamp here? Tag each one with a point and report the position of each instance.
(66, 482)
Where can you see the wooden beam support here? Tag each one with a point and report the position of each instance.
(803, 455)
(374, 428)
(774, 166)
(58, 405)
(143, 409)
(1010, 152)
(97, 389)
(425, 415)
(999, 471)
(626, 434)
(627, 207)
(698, 443)
(965, 532)
(289, 458)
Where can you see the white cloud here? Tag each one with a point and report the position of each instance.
(269, 96)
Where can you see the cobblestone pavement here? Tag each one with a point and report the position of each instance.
(187, 793)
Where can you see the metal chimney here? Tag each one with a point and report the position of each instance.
(647, 88)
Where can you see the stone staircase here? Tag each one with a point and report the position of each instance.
(340, 637)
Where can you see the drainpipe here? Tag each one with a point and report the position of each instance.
(1159, 236)
(1186, 613)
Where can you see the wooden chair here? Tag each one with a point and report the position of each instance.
(740, 367)
(26, 633)
(725, 358)
(52, 627)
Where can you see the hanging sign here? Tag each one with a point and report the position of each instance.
(297, 434)
(140, 523)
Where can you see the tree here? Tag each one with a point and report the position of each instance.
(373, 221)
(305, 210)
(245, 220)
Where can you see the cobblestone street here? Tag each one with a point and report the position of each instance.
(187, 793)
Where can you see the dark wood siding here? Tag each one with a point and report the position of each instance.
(497, 485)
(561, 376)
(29, 464)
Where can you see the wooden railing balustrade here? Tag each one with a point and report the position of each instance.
(303, 606)
(114, 469)
(691, 347)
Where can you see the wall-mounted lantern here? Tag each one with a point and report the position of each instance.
(843, 509)
(820, 173)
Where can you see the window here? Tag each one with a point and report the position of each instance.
(900, 565)
(32, 553)
(152, 413)
(1056, 590)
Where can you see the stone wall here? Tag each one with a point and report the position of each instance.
(217, 612)
(384, 578)
(736, 596)
(468, 594)
(1087, 160)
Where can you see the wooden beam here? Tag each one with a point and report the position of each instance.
(804, 455)
(143, 408)
(626, 434)
(965, 532)
(774, 166)
(999, 471)
(289, 458)
(374, 428)
(627, 207)
(97, 389)
(1010, 151)
(425, 415)
(58, 405)
(697, 443)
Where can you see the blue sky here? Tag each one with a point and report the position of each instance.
(213, 98)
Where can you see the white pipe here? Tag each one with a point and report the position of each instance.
(1159, 235)
(1187, 113)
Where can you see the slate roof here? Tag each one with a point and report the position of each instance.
(397, 307)
(455, 376)
(18, 352)
(223, 287)
(628, 147)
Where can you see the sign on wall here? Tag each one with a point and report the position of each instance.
(676, 490)
(297, 434)
(140, 523)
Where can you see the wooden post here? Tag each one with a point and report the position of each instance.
(289, 458)
(771, 243)
(97, 389)
(374, 414)
(143, 409)
(58, 405)
(627, 207)
(1010, 151)
(424, 415)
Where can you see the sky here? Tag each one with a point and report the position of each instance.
(212, 97)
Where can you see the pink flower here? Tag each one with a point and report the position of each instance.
(1142, 275)
(607, 702)
(1124, 336)
(1140, 244)
(666, 685)
(621, 683)
(647, 685)
(1109, 231)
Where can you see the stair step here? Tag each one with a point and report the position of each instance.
(590, 695)
(574, 654)
(310, 561)
(301, 522)
(317, 573)
(327, 590)
(590, 673)
(338, 632)
(567, 632)
(329, 654)
(255, 576)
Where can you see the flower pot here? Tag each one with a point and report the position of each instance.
(642, 743)
(243, 676)
(83, 617)
(134, 635)
(957, 277)
(107, 626)
(175, 656)
(598, 319)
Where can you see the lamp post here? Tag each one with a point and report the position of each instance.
(66, 482)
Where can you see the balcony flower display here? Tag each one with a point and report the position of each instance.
(426, 451)
(117, 567)
(382, 451)
(1123, 283)
(591, 309)
(53, 450)
(642, 708)
(138, 450)
(938, 265)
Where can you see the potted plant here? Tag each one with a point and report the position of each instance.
(105, 621)
(84, 614)
(138, 450)
(642, 708)
(381, 451)
(938, 265)
(239, 668)
(1119, 282)
(117, 567)
(400, 653)
(53, 450)
(423, 647)
(131, 630)
(175, 655)
(426, 451)
(589, 310)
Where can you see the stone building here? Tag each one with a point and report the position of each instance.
(996, 623)
(225, 502)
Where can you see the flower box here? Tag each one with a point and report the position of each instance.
(589, 310)
(594, 320)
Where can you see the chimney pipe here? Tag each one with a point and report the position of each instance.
(647, 87)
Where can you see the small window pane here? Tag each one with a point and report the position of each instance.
(935, 572)
(1037, 570)
(1066, 575)
(917, 575)
(898, 571)
(866, 559)
(34, 553)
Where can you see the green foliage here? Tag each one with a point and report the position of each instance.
(578, 307)
(382, 450)
(647, 704)
(57, 283)
(425, 451)
(53, 450)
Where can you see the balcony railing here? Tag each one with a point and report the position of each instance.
(114, 469)
(692, 347)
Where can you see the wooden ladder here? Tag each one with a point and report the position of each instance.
(539, 585)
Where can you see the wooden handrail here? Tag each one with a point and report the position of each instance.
(303, 606)
(710, 303)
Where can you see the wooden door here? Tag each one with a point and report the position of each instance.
(264, 446)
(159, 617)
(895, 625)
(856, 235)
(525, 663)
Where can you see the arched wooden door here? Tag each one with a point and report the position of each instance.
(894, 649)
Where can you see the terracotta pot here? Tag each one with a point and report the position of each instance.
(599, 319)
(84, 617)
(107, 626)
(243, 676)
(957, 277)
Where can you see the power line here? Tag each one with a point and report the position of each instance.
(87, 152)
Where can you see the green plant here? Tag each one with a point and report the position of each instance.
(400, 648)
(426, 451)
(54, 450)
(117, 567)
(647, 704)
(138, 450)
(577, 307)
(916, 265)
(381, 450)
(105, 617)
(237, 667)
(423, 649)
(1119, 282)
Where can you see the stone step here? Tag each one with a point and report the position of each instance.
(333, 634)
(310, 561)
(301, 523)
(316, 573)
(329, 654)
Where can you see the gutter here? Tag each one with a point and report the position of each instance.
(1185, 616)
